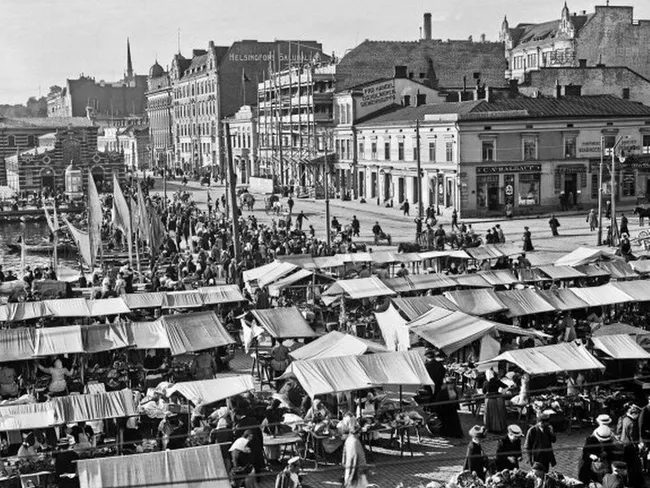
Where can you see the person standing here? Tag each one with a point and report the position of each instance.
(418, 228)
(597, 452)
(624, 222)
(454, 220)
(406, 207)
(631, 439)
(447, 403)
(289, 477)
(592, 219)
(494, 416)
(356, 226)
(290, 204)
(539, 441)
(475, 460)
(528, 240)
(354, 461)
(301, 216)
(500, 235)
(554, 224)
(509, 449)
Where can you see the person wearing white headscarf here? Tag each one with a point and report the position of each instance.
(242, 461)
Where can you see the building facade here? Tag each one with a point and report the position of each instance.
(358, 103)
(133, 142)
(243, 143)
(110, 99)
(159, 113)
(295, 125)
(609, 36)
(32, 170)
(482, 157)
(212, 85)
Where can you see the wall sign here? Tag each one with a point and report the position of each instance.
(509, 168)
(380, 93)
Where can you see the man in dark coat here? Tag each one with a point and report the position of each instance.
(509, 449)
(539, 442)
(256, 444)
(436, 370)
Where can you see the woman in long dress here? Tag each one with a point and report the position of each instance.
(494, 416)
(447, 409)
(528, 240)
(476, 461)
(354, 461)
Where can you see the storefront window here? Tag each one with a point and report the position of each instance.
(529, 189)
(646, 144)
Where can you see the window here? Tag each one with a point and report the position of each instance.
(487, 150)
(646, 143)
(348, 149)
(626, 93)
(416, 156)
(373, 150)
(11, 141)
(361, 150)
(530, 148)
(400, 150)
(529, 189)
(449, 151)
(594, 186)
(629, 184)
(532, 61)
(432, 152)
(570, 147)
(487, 191)
(387, 151)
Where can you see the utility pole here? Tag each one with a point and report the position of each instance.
(614, 228)
(233, 196)
(327, 199)
(419, 168)
(599, 241)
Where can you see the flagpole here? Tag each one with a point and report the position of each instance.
(90, 224)
(137, 231)
(55, 254)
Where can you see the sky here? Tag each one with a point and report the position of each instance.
(44, 42)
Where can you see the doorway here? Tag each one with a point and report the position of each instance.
(400, 190)
(493, 197)
(570, 188)
(47, 179)
(387, 194)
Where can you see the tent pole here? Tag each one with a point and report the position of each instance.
(400, 398)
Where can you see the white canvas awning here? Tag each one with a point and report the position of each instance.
(136, 301)
(283, 323)
(108, 306)
(480, 301)
(357, 289)
(552, 359)
(214, 390)
(216, 295)
(620, 346)
(52, 341)
(336, 344)
(524, 302)
(596, 296)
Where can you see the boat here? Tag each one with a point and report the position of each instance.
(42, 247)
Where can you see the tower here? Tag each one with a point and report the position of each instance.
(129, 64)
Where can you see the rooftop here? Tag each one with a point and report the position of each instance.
(517, 108)
(433, 62)
(44, 122)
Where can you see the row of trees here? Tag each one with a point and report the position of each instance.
(35, 107)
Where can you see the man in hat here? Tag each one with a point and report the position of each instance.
(618, 478)
(476, 461)
(436, 370)
(630, 437)
(599, 444)
(509, 449)
(289, 477)
(539, 442)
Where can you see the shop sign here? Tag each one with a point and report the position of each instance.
(509, 168)
(571, 168)
(589, 148)
(592, 148)
(380, 93)
(635, 162)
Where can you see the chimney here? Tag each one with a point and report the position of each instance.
(487, 93)
(400, 72)
(482, 37)
(427, 26)
(421, 99)
(514, 86)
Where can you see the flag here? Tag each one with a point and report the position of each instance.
(52, 224)
(95, 215)
(82, 240)
(144, 223)
(244, 76)
(121, 218)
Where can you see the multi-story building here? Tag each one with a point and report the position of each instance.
(159, 112)
(359, 103)
(243, 143)
(212, 85)
(609, 36)
(20, 134)
(110, 99)
(482, 156)
(32, 170)
(295, 125)
(133, 142)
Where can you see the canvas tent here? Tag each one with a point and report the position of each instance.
(356, 289)
(283, 323)
(620, 346)
(567, 356)
(335, 344)
(476, 302)
(413, 307)
(524, 302)
(582, 255)
(213, 390)
(193, 467)
(596, 296)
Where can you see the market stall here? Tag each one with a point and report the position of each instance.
(413, 307)
(356, 289)
(524, 302)
(620, 346)
(476, 302)
(336, 344)
(283, 323)
(214, 390)
(195, 467)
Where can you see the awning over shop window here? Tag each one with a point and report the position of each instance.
(620, 346)
(283, 323)
(214, 390)
(552, 359)
(476, 302)
(194, 467)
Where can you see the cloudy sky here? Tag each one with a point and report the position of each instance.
(43, 42)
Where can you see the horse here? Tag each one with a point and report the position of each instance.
(642, 212)
(410, 247)
(247, 200)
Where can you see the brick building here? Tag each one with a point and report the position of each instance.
(609, 36)
(619, 81)
(213, 84)
(112, 99)
(34, 169)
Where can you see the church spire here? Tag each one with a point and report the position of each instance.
(129, 64)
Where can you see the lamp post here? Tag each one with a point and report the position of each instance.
(614, 228)
(599, 240)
